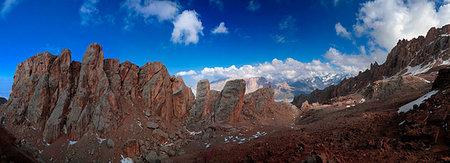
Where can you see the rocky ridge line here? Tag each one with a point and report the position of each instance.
(416, 56)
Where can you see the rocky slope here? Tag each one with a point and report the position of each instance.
(373, 131)
(421, 57)
(101, 109)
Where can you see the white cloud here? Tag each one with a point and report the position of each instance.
(186, 73)
(341, 31)
(387, 21)
(277, 70)
(217, 3)
(7, 6)
(220, 29)
(253, 5)
(279, 38)
(90, 14)
(287, 23)
(187, 25)
(349, 63)
(187, 28)
(161, 9)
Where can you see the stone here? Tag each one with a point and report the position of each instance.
(152, 125)
(152, 157)
(229, 104)
(147, 112)
(110, 143)
(160, 135)
(131, 148)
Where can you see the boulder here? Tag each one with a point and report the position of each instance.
(152, 125)
(110, 143)
(152, 157)
(131, 148)
(229, 104)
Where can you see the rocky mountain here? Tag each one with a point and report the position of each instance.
(2, 100)
(286, 90)
(56, 102)
(418, 58)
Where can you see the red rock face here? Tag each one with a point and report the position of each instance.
(229, 104)
(428, 51)
(57, 96)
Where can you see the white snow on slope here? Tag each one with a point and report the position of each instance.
(419, 69)
(409, 106)
(126, 160)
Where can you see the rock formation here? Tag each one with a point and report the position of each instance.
(417, 56)
(229, 104)
(2, 100)
(58, 96)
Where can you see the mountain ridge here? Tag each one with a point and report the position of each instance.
(414, 57)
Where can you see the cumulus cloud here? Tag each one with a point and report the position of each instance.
(253, 5)
(217, 3)
(276, 70)
(351, 64)
(186, 73)
(387, 21)
(148, 9)
(7, 6)
(220, 29)
(187, 28)
(187, 25)
(341, 31)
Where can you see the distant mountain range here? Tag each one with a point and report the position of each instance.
(286, 90)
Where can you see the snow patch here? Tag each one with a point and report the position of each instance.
(419, 69)
(126, 160)
(193, 132)
(72, 143)
(401, 122)
(139, 124)
(258, 134)
(207, 145)
(409, 106)
(167, 144)
(100, 140)
(445, 35)
(45, 142)
(362, 101)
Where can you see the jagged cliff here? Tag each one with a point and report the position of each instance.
(58, 96)
(413, 57)
(58, 102)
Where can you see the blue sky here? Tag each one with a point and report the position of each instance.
(277, 39)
